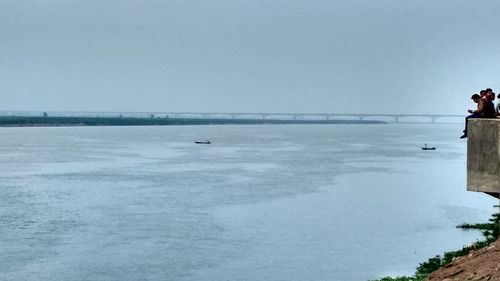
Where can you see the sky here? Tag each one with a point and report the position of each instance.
(304, 56)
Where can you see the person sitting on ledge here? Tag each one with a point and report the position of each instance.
(475, 113)
(489, 107)
(498, 105)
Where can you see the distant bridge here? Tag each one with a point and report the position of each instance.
(395, 118)
(391, 118)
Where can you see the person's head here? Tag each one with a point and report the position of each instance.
(482, 93)
(476, 98)
(498, 96)
(489, 96)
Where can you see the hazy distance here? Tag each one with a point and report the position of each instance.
(342, 56)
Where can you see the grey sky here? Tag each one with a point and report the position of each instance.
(384, 56)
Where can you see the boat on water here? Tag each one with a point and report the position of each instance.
(203, 142)
(425, 147)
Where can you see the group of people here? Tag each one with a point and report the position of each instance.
(485, 107)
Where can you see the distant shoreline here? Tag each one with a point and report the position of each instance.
(61, 121)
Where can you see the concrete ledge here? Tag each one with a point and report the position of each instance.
(483, 156)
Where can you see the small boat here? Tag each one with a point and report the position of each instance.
(203, 142)
(425, 147)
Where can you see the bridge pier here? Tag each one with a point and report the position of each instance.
(396, 119)
(433, 119)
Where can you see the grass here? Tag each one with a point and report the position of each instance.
(490, 232)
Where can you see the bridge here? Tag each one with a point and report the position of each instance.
(390, 118)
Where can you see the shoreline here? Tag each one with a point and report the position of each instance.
(479, 260)
(64, 121)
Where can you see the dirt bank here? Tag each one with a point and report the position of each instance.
(483, 264)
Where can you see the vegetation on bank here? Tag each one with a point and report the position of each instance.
(490, 231)
(42, 121)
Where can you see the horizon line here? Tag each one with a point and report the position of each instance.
(236, 113)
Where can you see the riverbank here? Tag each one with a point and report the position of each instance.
(41, 121)
(483, 264)
(477, 261)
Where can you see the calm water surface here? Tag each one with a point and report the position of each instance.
(327, 202)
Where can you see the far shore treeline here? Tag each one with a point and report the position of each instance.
(41, 121)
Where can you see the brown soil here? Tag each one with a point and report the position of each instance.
(483, 264)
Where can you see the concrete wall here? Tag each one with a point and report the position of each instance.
(483, 156)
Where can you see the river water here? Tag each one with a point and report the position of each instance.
(309, 202)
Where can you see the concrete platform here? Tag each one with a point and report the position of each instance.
(483, 156)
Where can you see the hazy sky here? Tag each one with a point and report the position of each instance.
(360, 56)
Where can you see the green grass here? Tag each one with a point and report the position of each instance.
(490, 232)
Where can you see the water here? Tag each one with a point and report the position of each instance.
(326, 202)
